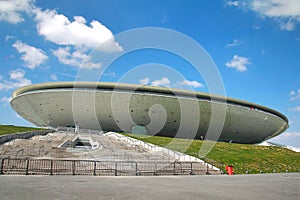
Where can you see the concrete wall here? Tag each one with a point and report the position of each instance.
(23, 135)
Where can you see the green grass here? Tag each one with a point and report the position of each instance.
(245, 158)
(8, 129)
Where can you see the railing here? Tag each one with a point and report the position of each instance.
(26, 166)
(74, 130)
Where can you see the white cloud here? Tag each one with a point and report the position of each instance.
(287, 135)
(277, 8)
(294, 95)
(76, 58)
(9, 37)
(291, 138)
(235, 42)
(281, 10)
(5, 99)
(296, 109)
(194, 84)
(292, 134)
(239, 63)
(59, 29)
(111, 74)
(17, 79)
(73, 76)
(53, 77)
(164, 81)
(144, 81)
(32, 56)
(256, 27)
(288, 26)
(232, 3)
(10, 10)
(18, 76)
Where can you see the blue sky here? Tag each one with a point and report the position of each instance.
(255, 45)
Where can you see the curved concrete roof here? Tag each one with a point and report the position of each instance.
(142, 88)
(51, 104)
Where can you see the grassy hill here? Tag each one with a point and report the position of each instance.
(245, 158)
(7, 129)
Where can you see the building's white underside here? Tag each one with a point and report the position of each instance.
(95, 109)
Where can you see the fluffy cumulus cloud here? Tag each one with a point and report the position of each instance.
(164, 81)
(286, 11)
(144, 81)
(75, 58)
(194, 84)
(17, 79)
(239, 63)
(32, 56)
(10, 10)
(59, 29)
(76, 37)
(277, 8)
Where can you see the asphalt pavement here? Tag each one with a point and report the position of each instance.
(259, 186)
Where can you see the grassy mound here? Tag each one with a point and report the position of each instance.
(243, 157)
(8, 129)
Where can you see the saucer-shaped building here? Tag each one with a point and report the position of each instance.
(148, 110)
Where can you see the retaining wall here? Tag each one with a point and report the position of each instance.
(23, 135)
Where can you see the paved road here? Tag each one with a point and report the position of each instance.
(266, 186)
